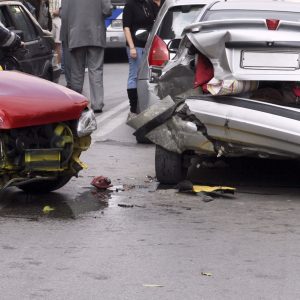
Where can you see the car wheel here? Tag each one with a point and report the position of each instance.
(45, 186)
(169, 166)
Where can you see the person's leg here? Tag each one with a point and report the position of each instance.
(95, 59)
(67, 64)
(132, 79)
(58, 52)
(78, 56)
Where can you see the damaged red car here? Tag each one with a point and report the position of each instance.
(44, 127)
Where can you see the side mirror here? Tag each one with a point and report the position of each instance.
(173, 45)
(20, 33)
(142, 35)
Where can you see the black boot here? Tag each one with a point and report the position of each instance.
(133, 99)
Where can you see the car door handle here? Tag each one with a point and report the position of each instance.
(41, 46)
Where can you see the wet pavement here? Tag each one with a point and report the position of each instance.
(144, 241)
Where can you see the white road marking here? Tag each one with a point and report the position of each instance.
(101, 118)
(112, 124)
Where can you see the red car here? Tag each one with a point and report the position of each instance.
(44, 127)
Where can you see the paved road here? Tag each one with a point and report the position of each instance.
(148, 241)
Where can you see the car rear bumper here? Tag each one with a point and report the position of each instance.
(223, 126)
(115, 39)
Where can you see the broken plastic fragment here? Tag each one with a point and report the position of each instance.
(206, 274)
(101, 182)
(230, 87)
(153, 285)
(212, 189)
(47, 209)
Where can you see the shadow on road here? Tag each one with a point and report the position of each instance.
(35, 207)
(247, 172)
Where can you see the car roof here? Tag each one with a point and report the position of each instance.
(271, 5)
(186, 2)
(9, 2)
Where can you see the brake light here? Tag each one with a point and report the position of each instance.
(204, 71)
(272, 24)
(159, 52)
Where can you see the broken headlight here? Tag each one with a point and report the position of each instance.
(87, 123)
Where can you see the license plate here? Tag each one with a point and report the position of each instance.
(270, 60)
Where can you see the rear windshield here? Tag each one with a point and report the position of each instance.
(176, 19)
(250, 14)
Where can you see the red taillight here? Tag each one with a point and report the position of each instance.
(159, 52)
(272, 24)
(204, 70)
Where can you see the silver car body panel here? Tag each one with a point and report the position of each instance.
(274, 62)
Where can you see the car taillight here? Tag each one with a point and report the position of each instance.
(272, 24)
(204, 70)
(159, 52)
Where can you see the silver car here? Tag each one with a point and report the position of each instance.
(173, 17)
(232, 90)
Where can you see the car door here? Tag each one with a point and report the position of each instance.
(36, 53)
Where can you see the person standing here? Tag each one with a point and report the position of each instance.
(56, 25)
(157, 4)
(84, 32)
(137, 14)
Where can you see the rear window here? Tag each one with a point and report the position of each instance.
(176, 19)
(213, 15)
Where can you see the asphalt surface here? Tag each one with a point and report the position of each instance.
(144, 241)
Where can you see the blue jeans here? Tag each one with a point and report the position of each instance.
(134, 64)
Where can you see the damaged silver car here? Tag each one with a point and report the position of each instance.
(232, 90)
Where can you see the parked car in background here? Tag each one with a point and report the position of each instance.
(37, 55)
(231, 91)
(44, 127)
(114, 26)
(173, 17)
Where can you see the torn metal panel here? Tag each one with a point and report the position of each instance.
(177, 135)
(151, 113)
(177, 76)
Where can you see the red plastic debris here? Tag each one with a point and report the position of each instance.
(101, 182)
(296, 90)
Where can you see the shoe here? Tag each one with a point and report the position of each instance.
(131, 115)
(97, 111)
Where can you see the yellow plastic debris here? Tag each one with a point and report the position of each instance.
(211, 189)
(47, 209)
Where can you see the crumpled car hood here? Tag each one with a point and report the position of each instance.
(29, 101)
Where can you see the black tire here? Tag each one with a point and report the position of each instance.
(169, 166)
(46, 186)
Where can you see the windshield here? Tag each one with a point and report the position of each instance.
(176, 19)
(250, 14)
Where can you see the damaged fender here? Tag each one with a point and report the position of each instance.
(169, 125)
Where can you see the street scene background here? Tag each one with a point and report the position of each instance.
(140, 240)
